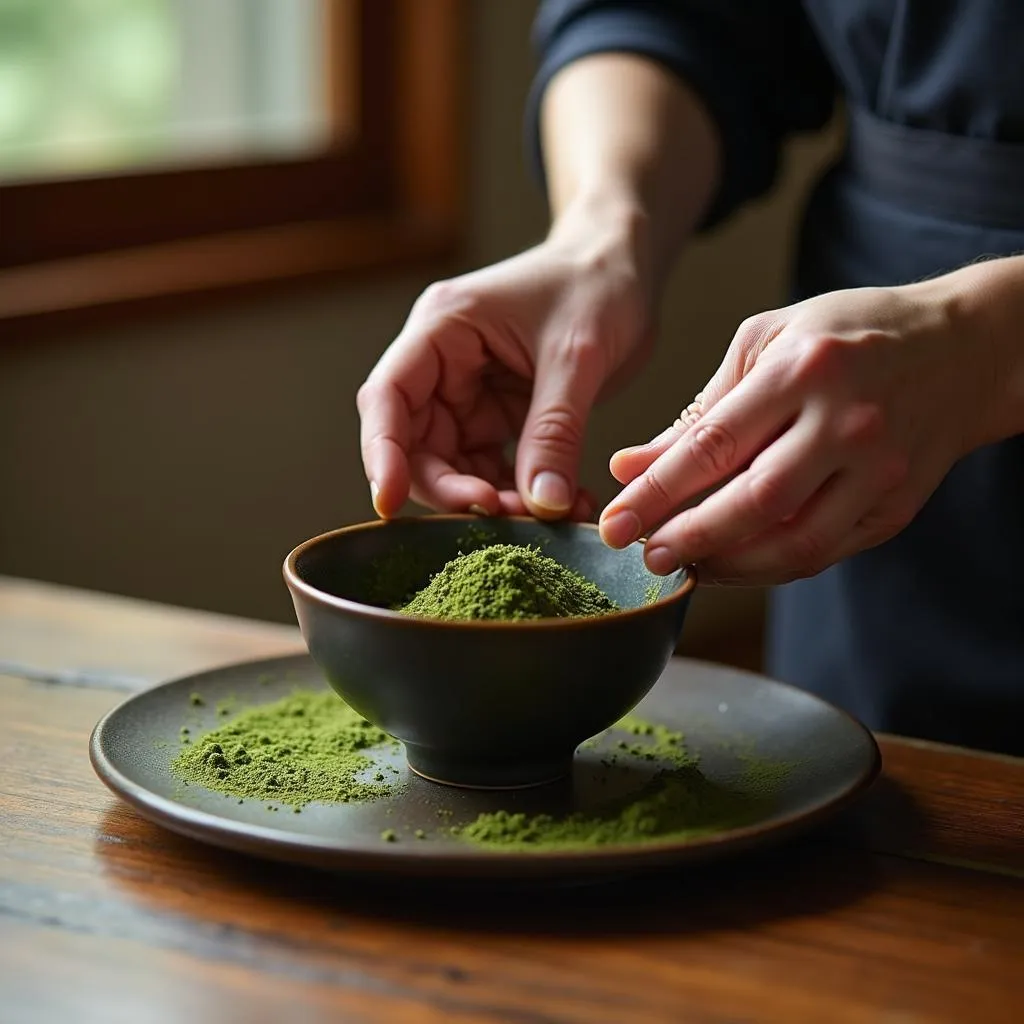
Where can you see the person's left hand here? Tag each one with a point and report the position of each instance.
(824, 431)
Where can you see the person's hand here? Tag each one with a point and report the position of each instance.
(823, 432)
(517, 351)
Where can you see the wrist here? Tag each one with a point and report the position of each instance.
(984, 303)
(599, 229)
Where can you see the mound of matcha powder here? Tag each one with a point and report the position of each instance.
(508, 582)
(307, 747)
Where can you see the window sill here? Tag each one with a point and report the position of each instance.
(52, 297)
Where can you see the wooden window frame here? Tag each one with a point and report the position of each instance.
(387, 192)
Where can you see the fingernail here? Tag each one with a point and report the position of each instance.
(478, 510)
(661, 561)
(551, 491)
(620, 528)
(374, 495)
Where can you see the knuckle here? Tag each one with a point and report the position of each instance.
(559, 428)
(442, 298)
(860, 425)
(752, 338)
(691, 538)
(656, 488)
(748, 326)
(581, 348)
(819, 359)
(766, 496)
(370, 395)
(582, 354)
(772, 373)
(753, 328)
(712, 447)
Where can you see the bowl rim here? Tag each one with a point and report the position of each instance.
(298, 585)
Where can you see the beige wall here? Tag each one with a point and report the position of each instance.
(180, 460)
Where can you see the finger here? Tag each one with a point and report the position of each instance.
(583, 510)
(628, 463)
(568, 378)
(588, 503)
(487, 465)
(771, 490)
(384, 440)
(893, 513)
(584, 507)
(441, 433)
(491, 420)
(409, 372)
(438, 485)
(750, 339)
(807, 544)
(512, 503)
(716, 446)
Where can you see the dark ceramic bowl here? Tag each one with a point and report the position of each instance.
(482, 704)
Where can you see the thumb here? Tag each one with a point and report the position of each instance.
(568, 379)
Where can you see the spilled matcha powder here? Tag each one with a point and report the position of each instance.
(677, 802)
(308, 746)
(311, 746)
(508, 582)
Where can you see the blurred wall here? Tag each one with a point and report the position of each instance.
(180, 460)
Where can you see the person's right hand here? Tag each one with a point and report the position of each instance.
(517, 351)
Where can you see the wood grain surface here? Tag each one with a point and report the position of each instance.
(910, 909)
(59, 635)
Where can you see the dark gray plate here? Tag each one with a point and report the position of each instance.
(816, 757)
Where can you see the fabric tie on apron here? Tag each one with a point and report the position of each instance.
(975, 181)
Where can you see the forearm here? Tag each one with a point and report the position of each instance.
(630, 150)
(986, 304)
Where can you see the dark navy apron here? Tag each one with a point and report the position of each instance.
(923, 635)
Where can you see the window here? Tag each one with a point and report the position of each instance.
(94, 87)
(151, 149)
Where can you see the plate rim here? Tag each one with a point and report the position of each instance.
(407, 860)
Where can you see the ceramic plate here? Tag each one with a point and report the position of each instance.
(797, 758)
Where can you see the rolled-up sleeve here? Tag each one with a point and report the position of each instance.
(756, 66)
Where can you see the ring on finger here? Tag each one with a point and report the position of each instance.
(690, 414)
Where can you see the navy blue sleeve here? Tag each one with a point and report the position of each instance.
(757, 67)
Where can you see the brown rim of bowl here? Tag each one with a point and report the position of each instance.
(295, 582)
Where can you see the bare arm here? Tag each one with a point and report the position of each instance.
(629, 151)
(988, 306)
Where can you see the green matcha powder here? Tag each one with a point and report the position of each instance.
(307, 747)
(311, 747)
(509, 582)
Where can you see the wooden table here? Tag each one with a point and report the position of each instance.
(909, 909)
